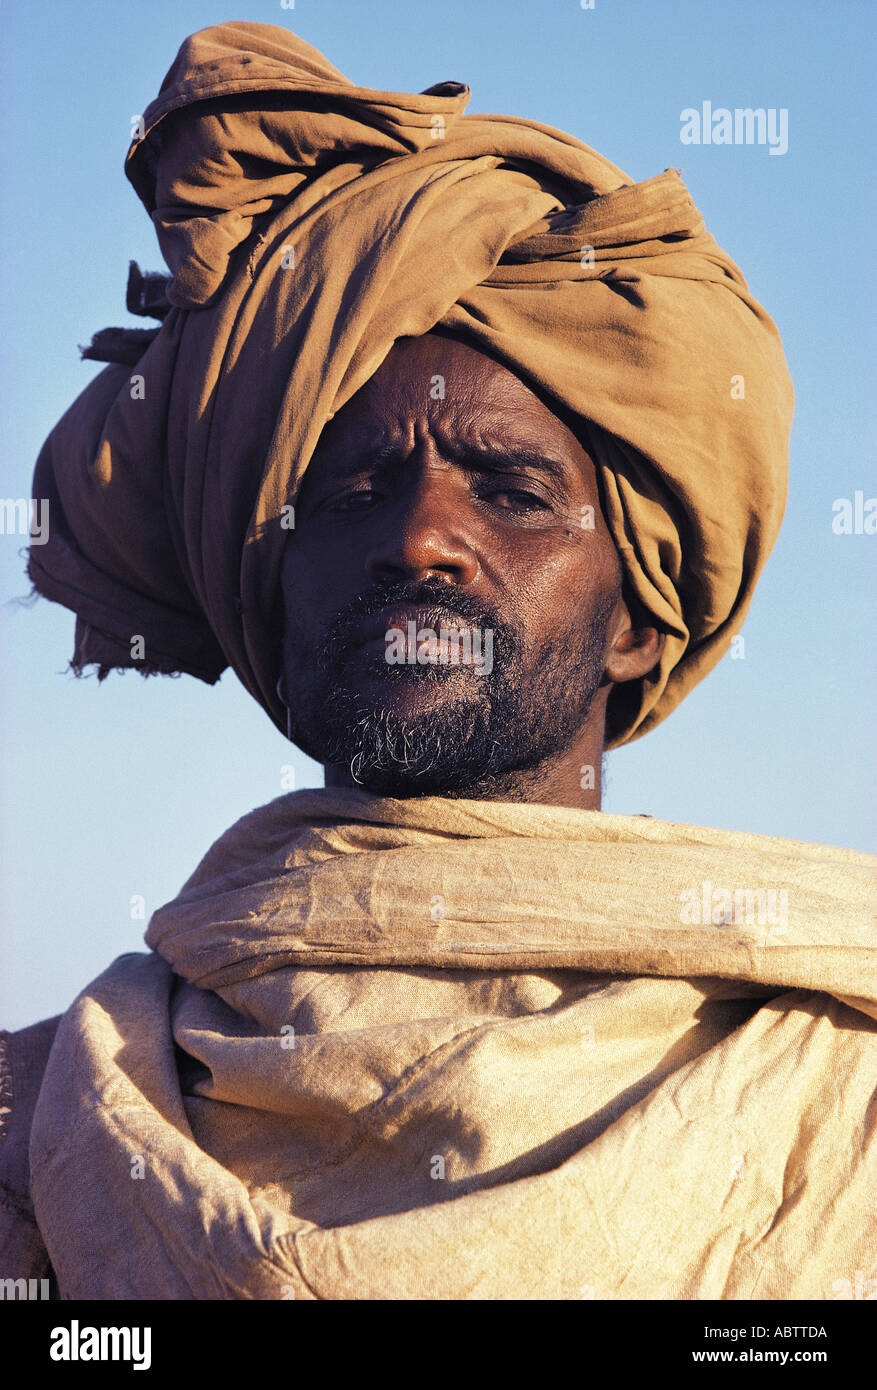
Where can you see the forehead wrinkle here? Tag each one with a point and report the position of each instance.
(513, 432)
(468, 431)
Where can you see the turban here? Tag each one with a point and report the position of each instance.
(308, 224)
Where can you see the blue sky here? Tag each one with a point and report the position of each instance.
(113, 792)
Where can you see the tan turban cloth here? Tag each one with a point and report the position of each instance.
(309, 224)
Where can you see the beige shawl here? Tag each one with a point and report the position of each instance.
(449, 1049)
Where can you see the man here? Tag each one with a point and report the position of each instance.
(472, 515)
(466, 454)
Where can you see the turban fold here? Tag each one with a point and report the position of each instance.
(308, 224)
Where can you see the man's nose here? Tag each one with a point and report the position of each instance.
(429, 531)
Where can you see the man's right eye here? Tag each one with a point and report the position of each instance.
(349, 501)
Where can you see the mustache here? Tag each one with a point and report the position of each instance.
(445, 598)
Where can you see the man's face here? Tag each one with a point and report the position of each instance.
(447, 495)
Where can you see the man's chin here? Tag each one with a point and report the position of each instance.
(417, 695)
(469, 782)
(418, 739)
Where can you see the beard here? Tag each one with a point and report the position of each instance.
(490, 732)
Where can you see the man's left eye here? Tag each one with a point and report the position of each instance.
(519, 498)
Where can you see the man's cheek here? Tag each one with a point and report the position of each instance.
(299, 646)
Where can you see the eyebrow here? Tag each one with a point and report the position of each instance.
(495, 455)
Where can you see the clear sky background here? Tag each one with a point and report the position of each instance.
(116, 790)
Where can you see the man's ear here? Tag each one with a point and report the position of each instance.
(636, 646)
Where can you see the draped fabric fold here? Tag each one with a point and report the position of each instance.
(308, 224)
(453, 1049)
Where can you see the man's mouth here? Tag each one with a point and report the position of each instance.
(377, 626)
(419, 635)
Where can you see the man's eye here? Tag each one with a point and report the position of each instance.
(519, 499)
(509, 499)
(353, 501)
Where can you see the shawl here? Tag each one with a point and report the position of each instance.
(441, 1049)
(308, 224)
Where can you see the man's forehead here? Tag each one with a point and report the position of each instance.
(447, 372)
(465, 398)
